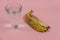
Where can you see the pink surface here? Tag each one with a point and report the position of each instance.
(46, 10)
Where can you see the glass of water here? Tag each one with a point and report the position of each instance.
(13, 8)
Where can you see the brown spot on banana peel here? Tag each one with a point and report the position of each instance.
(35, 23)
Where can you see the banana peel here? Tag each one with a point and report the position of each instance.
(35, 23)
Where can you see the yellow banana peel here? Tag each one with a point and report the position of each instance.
(35, 23)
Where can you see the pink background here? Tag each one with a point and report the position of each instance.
(46, 10)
